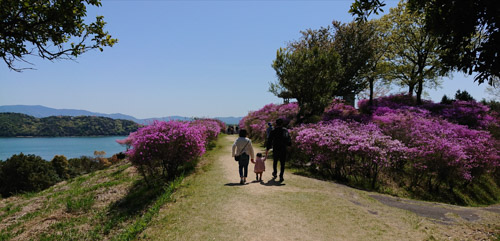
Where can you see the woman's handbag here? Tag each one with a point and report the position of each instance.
(237, 157)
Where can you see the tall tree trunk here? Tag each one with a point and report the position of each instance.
(349, 99)
(371, 80)
(411, 87)
(420, 90)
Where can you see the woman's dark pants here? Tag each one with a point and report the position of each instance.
(243, 165)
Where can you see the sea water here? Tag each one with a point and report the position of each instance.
(48, 147)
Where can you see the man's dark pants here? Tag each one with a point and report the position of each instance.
(279, 156)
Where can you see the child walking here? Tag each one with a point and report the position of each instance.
(260, 166)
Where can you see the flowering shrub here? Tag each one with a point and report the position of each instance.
(345, 149)
(159, 149)
(392, 101)
(441, 148)
(470, 113)
(338, 110)
(256, 121)
(442, 152)
(211, 128)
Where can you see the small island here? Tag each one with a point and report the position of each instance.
(21, 125)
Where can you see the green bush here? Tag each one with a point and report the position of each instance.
(61, 166)
(83, 165)
(26, 173)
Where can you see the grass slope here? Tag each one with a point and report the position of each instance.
(110, 204)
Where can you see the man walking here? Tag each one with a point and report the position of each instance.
(279, 140)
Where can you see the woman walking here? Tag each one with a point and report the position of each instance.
(243, 152)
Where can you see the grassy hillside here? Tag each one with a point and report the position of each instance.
(114, 203)
(15, 124)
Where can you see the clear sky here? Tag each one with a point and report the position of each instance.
(188, 58)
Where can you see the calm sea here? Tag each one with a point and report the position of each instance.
(48, 147)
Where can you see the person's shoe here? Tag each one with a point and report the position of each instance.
(242, 182)
(281, 179)
(274, 175)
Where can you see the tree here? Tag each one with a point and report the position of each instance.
(463, 96)
(354, 42)
(413, 52)
(467, 31)
(308, 70)
(378, 66)
(53, 29)
(323, 64)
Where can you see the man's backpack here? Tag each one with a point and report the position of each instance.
(281, 138)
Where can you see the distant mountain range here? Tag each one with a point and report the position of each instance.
(42, 111)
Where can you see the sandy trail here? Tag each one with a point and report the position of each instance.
(302, 208)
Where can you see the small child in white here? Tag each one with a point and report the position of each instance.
(260, 166)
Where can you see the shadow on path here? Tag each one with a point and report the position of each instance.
(273, 182)
(235, 184)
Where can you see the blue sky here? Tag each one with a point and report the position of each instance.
(188, 58)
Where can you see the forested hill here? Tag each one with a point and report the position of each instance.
(15, 124)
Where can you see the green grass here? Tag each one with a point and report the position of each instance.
(133, 230)
(80, 204)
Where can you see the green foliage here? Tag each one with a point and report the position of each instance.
(463, 95)
(45, 28)
(324, 63)
(355, 43)
(15, 124)
(471, 46)
(413, 54)
(61, 166)
(83, 165)
(446, 101)
(26, 173)
(308, 70)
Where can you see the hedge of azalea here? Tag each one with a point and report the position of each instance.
(430, 147)
(256, 121)
(161, 149)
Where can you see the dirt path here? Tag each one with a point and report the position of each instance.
(213, 206)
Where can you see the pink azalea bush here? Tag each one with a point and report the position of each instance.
(470, 113)
(344, 149)
(339, 110)
(428, 148)
(160, 149)
(256, 121)
(211, 128)
(442, 152)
